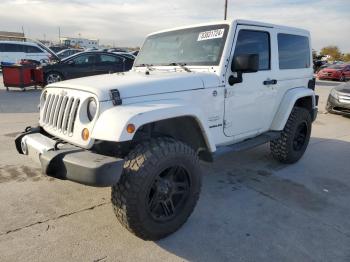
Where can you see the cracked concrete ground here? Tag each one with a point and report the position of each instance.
(251, 207)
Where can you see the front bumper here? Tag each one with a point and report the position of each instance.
(328, 77)
(334, 106)
(70, 163)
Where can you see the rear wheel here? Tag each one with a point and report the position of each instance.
(159, 188)
(342, 78)
(295, 137)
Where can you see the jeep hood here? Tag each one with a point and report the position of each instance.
(133, 84)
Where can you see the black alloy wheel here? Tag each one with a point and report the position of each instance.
(168, 193)
(300, 136)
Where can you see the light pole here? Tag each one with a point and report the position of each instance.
(225, 17)
(59, 35)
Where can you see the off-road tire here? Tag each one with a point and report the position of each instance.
(142, 165)
(282, 149)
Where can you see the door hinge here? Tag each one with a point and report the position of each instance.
(227, 124)
(225, 93)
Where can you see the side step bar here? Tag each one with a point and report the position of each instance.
(247, 144)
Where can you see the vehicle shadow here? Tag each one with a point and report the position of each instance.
(255, 209)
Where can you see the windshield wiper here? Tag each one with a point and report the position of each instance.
(182, 65)
(148, 66)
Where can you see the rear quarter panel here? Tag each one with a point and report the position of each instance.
(291, 83)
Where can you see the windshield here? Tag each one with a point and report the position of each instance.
(193, 46)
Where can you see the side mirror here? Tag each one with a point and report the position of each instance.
(71, 63)
(243, 64)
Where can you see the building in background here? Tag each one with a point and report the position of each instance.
(79, 42)
(11, 36)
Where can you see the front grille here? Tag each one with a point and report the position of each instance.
(344, 99)
(59, 112)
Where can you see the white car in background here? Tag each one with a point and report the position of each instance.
(14, 51)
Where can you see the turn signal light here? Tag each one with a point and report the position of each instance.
(130, 128)
(85, 134)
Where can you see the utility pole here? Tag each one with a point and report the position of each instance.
(225, 17)
(59, 35)
(23, 34)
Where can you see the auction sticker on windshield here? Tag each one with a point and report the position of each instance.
(217, 33)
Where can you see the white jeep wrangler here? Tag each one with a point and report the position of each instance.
(194, 93)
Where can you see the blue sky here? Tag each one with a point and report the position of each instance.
(125, 23)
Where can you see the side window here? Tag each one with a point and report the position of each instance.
(13, 48)
(254, 42)
(109, 59)
(84, 60)
(1, 47)
(33, 49)
(293, 51)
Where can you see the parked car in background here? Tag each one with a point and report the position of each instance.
(117, 49)
(128, 55)
(91, 49)
(340, 72)
(339, 100)
(323, 67)
(68, 52)
(58, 48)
(86, 64)
(319, 64)
(134, 53)
(14, 51)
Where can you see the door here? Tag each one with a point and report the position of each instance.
(35, 53)
(108, 64)
(80, 66)
(247, 104)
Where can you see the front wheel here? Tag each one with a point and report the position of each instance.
(290, 147)
(159, 188)
(53, 77)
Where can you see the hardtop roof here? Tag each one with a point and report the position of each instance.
(239, 22)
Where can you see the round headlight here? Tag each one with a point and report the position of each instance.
(91, 109)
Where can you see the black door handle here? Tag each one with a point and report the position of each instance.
(270, 82)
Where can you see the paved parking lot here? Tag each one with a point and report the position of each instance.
(251, 207)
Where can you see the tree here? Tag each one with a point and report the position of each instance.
(333, 51)
(346, 57)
